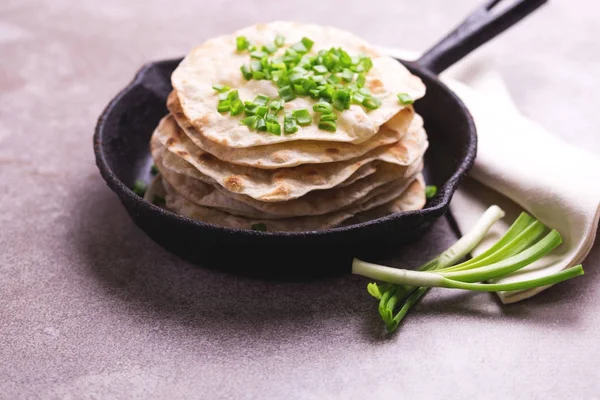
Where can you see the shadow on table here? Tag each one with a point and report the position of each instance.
(160, 288)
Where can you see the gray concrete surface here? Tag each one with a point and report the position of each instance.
(90, 308)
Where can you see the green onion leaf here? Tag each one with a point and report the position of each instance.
(269, 48)
(220, 88)
(287, 93)
(302, 116)
(246, 71)
(139, 188)
(261, 100)
(357, 98)
(258, 54)
(371, 103)
(236, 107)
(320, 69)
(275, 106)
(274, 128)
(242, 43)
(308, 44)
(430, 191)
(360, 80)
(258, 75)
(259, 227)
(279, 40)
(224, 106)
(233, 95)
(347, 75)
(327, 125)
(322, 107)
(329, 117)
(261, 111)
(289, 124)
(299, 48)
(250, 122)
(405, 99)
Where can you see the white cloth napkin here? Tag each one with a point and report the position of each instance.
(520, 166)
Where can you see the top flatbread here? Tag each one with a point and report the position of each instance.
(216, 61)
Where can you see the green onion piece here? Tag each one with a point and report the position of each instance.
(233, 95)
(139, 188)
(302, 116)
(236, 107)
(274, 128)
(289, 124)
(224, 106)
(299, 89)
(246, 71)
(357, 98)
(322, 107)
(258, 54)
(287, 93)
(261, 111)
(327, 125)
(220, 88)
(259, 227)
(365, 91)
(249, 121)
(275, 106)
(269, 48)
(242, 43)
(333, 79)
(430, 191)
(327, 93)
(153, 170)
(345, 59)
(279, 40)
(318, 79)
(371, 103)
(347, 75)
(258, 75)
(329, 117)
(223, 96)
(343, 97)
(256, 65)
(320, 69)
(308, 44)
(271, 118)
(250, 108)
(405, 99)
(260, 124)
(261, 100)
(299, 48)
(360, 80)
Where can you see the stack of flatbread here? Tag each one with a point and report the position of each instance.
(216, 170)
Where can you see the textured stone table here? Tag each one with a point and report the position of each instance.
(91, 308)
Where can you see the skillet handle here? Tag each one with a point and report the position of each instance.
(480, 26)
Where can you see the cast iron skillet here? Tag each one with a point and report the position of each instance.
(121, 147)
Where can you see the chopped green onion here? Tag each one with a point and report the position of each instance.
(223, 96)
(329, 117)
(347, 75)
(236, 107)
(343, 97)
(308, 44)
(269, 48)
(299, 48)
(220, 88)
(246, 71)
(360, 80)
(320, 69)
(261, 100)
(153, 170)
(233, 95)
(371, 103)
(275, 106)
(274, 128)
(258, 54)
(322, 107)
(259, 227)
(224, 106)
(242, 43)
(258, 75)
(430, 191)
(357, 98)
(287, 93)
(289, 124)
(405, 99)
(302, 116)
(279, 40)
(250, 108)
(261, 111)
(249, 121)
(139, 188)
(260, 124)
(327, 125)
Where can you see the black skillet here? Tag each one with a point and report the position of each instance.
(121, 148)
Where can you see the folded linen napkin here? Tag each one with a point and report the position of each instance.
(520, 166)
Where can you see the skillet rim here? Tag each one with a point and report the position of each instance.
(439, 204)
